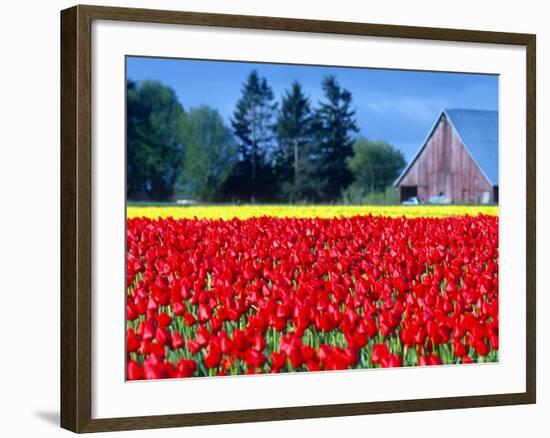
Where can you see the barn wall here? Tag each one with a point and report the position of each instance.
(446, 166)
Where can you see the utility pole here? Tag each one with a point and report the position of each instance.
(295, 163)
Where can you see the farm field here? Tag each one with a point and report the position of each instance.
(228, 290)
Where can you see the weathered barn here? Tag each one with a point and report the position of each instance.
(457, 161)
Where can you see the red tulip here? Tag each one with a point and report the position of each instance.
(308, 353)
(134, 370)
(258, 343)
(185, 368)
(163, 319)
(391, 361)
(194, 346)
(144, 348)
(203, 335)
(132, 341)
(149, 330)
(204, 313)
(379, 352)
(435, 359)
(458, 348)
(189, 319)
(212, 357)
(215, 324)
(254, 358)
(295, 357)
(312, 365)
(424, 361)
(151, 304)
(239, 340)
(325, 351)
(278, 361)
(177, 340)
(157, 350)
(178, 308)
(131, 312)
(481, 347)
(162, 335)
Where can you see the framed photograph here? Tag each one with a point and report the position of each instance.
(269, 218)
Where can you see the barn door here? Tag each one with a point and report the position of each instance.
(449, 187)
(408, 192)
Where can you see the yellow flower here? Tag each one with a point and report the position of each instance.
(322, 211)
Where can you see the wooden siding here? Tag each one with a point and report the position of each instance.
(445, 166)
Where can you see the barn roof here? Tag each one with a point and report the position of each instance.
(478, 130)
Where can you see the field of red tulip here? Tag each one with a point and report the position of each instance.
(210, 297)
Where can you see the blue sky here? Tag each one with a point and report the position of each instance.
(397, 106)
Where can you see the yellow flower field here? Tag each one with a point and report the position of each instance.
(322, 211)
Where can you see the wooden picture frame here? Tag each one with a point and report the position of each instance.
(76, 217)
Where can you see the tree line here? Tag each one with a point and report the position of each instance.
(287, 151)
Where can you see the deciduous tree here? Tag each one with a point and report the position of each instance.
(375, 164)
(210, 153)
(155, 150)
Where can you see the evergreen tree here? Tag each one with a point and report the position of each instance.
(336, 121)
(253, 128)
(294, 132)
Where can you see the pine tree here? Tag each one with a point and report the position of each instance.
(294, 132)
(253, 128)
(336, 122)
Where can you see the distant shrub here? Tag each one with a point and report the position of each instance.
(355, 195)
